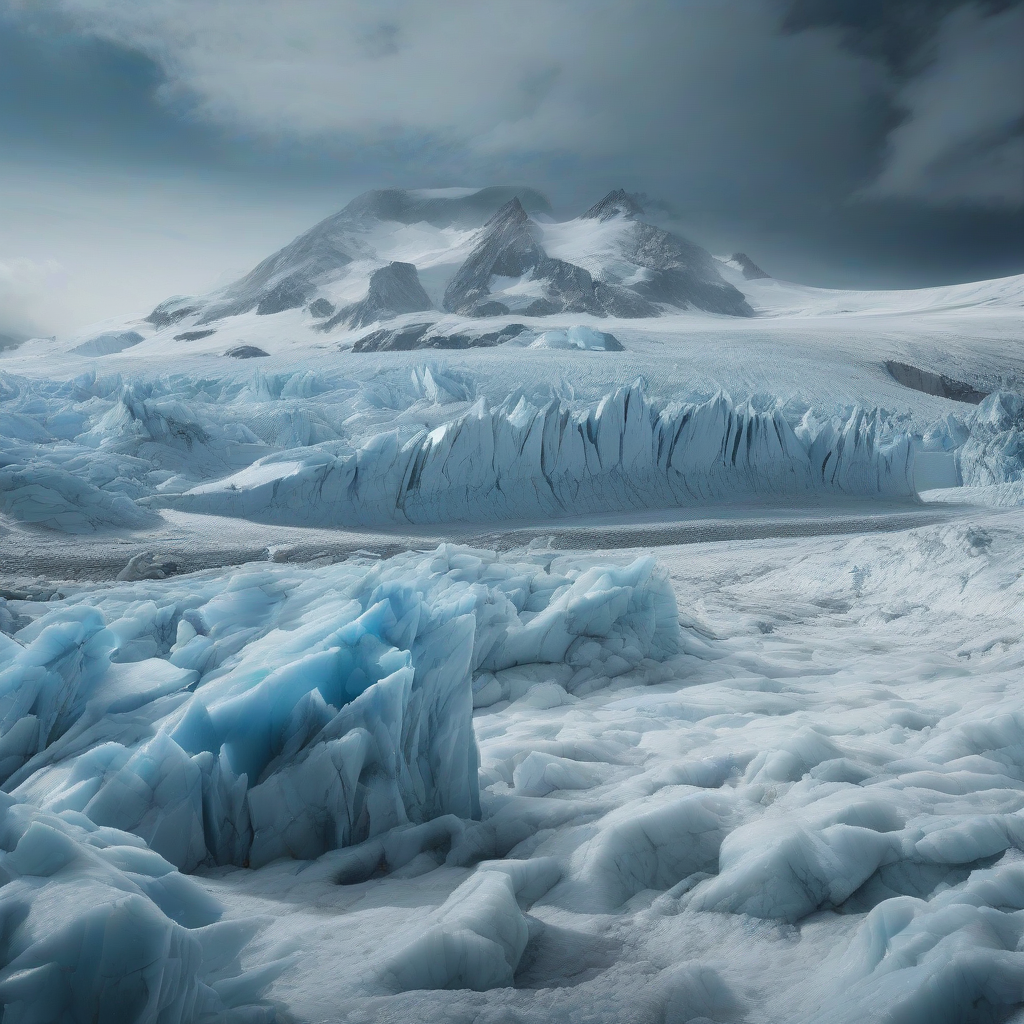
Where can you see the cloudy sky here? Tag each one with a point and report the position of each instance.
(151, 147)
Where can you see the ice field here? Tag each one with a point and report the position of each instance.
(573, 626)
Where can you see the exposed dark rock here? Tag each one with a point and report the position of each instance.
(751, 271)
(493, 308)
(540, 307)
(508, 248)
(290, 293)
(170, 311)
(394, 290)
(194, 335)
(401, 339)
(618, 203)
(681, 273)
(418, 337)
(246, 352)
(6, 341)
(624, 302)
(321, 308)
(290, 276)
(229, 307)
(937, 384)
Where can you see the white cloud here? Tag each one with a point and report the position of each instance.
(692, 93)
(963, 138)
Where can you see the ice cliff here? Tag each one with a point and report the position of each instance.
(91, 454)
(525, 460)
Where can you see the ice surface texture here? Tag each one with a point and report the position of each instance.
(91, 454)
(236, 718)
(97, 927)
(525, 460)
(994, 451)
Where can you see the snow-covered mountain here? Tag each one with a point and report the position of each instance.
(477, 253)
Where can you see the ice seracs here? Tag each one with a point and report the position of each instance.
(527, 460)
(99, 927)
(277, 713)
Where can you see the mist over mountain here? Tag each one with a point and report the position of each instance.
(482, 253)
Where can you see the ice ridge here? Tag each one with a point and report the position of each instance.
(523, 460)
(100, 928)
(238, 718)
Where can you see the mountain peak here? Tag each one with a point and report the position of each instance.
(511, 213)
(751, 271)
(618, 203)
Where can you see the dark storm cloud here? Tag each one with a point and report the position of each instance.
(846, 141)
(957, 110)
(898, 32)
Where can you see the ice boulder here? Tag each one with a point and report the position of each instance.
(994, 450)
(585, 338)
(100, 928)
(475, 942)
(655, 849)
(788, 866)
(955, 957)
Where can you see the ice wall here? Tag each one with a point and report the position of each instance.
(421, 447)
(240, 717)
(525, 460)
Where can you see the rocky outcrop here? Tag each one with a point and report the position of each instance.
(618, 203)
(173, 310)
(246, 352)
(751, 271)
(422, 336)
(394, 290)
(680, 273)
(508, 248)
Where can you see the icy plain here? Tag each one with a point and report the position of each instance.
(541, 678)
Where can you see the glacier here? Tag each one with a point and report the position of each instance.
(634, 767)
(97, 454)
(244, 717)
